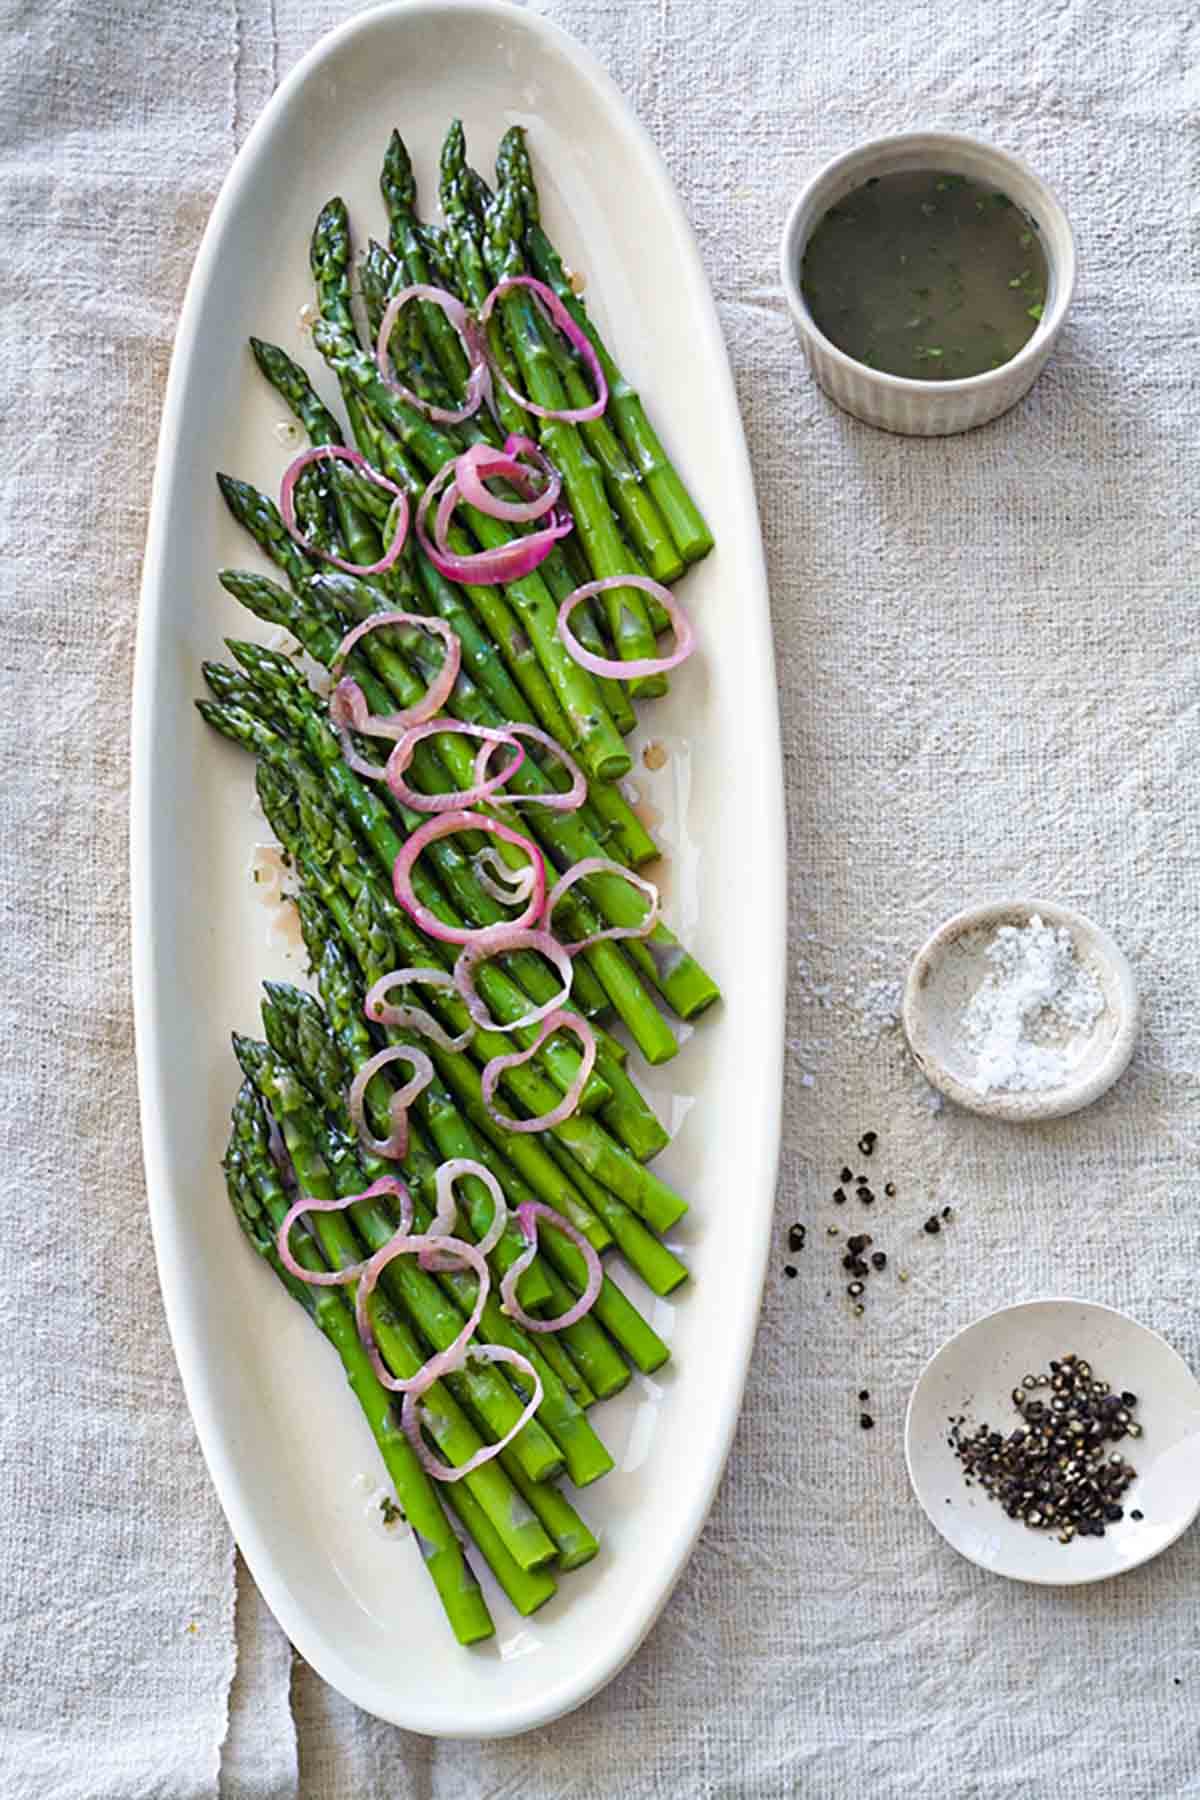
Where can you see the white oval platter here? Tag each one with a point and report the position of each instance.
(291, 1459)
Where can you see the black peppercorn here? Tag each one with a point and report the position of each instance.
(790, 1270)
(867, 1142)
(796, 1237)
(878, 1260)
(839, 1196)
(933, 1225)
(866, 1421)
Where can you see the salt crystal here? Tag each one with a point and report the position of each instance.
(1027, 1024)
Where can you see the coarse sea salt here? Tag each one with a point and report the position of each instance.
(1027, 1024)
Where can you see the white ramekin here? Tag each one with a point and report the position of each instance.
(897, 402)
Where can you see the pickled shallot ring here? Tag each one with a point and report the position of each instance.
(509, 886)
(445, 1219)
(348, 705)
(567, 1021)
(569, 801)
(603, 865)
(460, 318)
(527, 1214)
(483, 789)
(576, 337)
(386, 1184)
(445, 825)
(617, 670)
(381, 1011)
(497, 940)
(481, 463)
(411, 1422)
(396, 1143)
(403, 1244)
(338, 453)
(486, 568)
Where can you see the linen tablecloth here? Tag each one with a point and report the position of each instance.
(988, 683)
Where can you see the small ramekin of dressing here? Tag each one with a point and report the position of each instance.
(928, 278)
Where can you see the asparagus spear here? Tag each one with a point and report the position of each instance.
(628, 623)
(482, 1390)
(688, 528)
(582, 1342)
(599, 743)
(317, 1056)
(367, 939)
(260, 1206)
(442, 1416)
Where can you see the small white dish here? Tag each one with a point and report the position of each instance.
(897, 402)
(974, 1375)
(947, 971)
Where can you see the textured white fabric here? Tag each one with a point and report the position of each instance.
(987, 683)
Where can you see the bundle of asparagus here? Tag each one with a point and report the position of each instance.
(447, 1249)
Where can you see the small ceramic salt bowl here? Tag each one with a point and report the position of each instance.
(952, 967)
(972, 1378)
(897, 402)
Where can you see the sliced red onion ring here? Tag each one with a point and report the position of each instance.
(685, 637)
(464, 1255)
(381, 1011)
(482, 462)
(338, 453)
(509, 886)
(411, 1422)
(445, 825)
(497, 940)
(387, 1184)
(483, 789)
(602, 865)
(555, 1021)
(575, 795)
(527, 1215)
(487, 568)
(396, 1144)
(578, 339)
(348, 706)
(445, 1219)
(472, 342)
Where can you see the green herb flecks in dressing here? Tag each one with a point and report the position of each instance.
(926, 275)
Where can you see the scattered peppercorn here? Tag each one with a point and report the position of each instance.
(890, 1189)
(858, 1243)
(866, 1196)
(878, 1259)
(933, 1225)
(855, 1289)
(947, 1212)
(866, 1421)
(846, 1175)
(864, 1393)
(791, 1271)
(867, 1142)
(839, 1196)
(796, 1237)
(1135, 1514)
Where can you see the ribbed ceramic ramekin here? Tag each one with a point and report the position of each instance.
(896, 402)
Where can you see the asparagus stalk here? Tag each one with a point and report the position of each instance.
(628, 623)
(599, 743)
(483, 1390)
(366, 938)
(318, 1057)
(442, 1416)
(260, 1206)
(687, 525)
